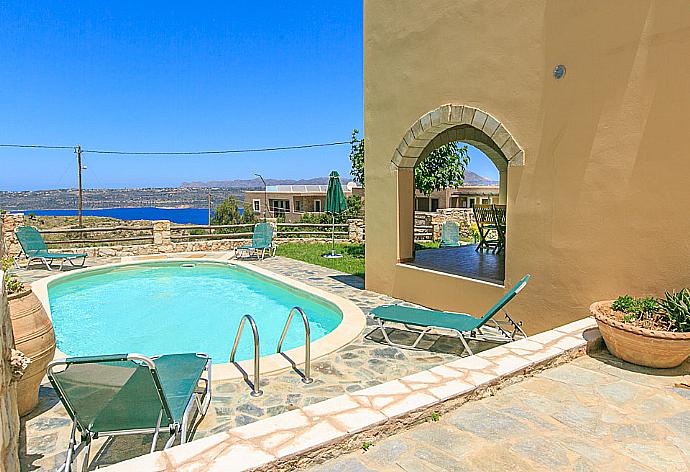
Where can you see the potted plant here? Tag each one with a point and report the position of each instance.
(33, 336)
(648, 331)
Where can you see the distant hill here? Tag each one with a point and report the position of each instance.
(256, 183)
(472, 178)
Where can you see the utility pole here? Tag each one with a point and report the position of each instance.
(80, 200)
(210, 231)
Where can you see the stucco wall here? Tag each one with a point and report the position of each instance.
(600, 207)
(9, 419)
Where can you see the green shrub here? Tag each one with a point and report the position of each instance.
(474, 232)
(355, 207)
(676, 307)
(11, 283)
(624, 303)
(635, 308)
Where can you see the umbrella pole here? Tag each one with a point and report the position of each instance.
(333, 237)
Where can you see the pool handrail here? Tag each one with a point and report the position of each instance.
(256, 391)
(306, 377)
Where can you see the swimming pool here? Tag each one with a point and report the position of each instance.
(174, 306)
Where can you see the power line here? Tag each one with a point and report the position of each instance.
(225, 151)
(38, 146)
(180, 153)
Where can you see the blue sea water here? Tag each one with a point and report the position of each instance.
(197, 216)
(163, 307)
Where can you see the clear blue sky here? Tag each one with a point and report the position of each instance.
(152, 76)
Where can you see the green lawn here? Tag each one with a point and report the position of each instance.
(419, 246)
(352, 261)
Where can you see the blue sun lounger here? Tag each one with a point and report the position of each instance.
(262, 241)
(462, 324)
(450, 234)
(34, 248)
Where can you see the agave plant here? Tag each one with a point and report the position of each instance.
(676, 306)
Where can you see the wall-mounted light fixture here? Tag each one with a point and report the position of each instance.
(558, 71)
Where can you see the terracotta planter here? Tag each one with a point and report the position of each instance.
(646, 347)
(34, 336)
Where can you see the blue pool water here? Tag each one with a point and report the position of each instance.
(162, 307)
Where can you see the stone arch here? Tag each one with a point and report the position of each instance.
(449, 123)
(441, 126)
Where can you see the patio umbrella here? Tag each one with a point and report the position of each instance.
(335, 204)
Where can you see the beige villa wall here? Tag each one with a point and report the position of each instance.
(601, 205)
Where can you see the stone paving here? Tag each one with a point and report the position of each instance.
(594, 413)
(361, 364)
(317, 432)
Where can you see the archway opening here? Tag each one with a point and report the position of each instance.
(475, 213)
(447, 234)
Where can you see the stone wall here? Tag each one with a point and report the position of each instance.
(148, 249)
(355, 230)
(9, 241)
(464, 217)
(9, 418)
(162, 242)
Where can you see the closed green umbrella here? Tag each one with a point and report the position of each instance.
(335, 204)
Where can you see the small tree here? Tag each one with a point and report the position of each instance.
(445, 167)
(248, 213)
(357, 158)
(355, 207)
(227, 213)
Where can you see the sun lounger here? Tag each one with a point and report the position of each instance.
(262, 241)
(34, 248)
(461, 324)
(450, 234)
(130, 394)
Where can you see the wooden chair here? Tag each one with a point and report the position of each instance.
(500, 222)
(486, 223)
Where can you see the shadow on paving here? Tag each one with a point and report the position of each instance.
(438, 343)
(351, 280)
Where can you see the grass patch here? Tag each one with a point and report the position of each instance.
(421, 245)
(352, 261)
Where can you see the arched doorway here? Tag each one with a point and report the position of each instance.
(448, 123)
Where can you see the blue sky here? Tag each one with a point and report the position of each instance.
(152, 76)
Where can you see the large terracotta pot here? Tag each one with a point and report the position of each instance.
(34, 336)
(646, 347)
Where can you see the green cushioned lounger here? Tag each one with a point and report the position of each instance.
(450, 234)
(262, 241)
(34, 248)
(459, 323)
(130, 394)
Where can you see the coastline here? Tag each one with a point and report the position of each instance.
(177, 215)
(182, 207)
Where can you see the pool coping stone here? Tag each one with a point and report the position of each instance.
(352, 324)
(321, 431)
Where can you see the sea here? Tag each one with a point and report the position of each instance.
(197, 216)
